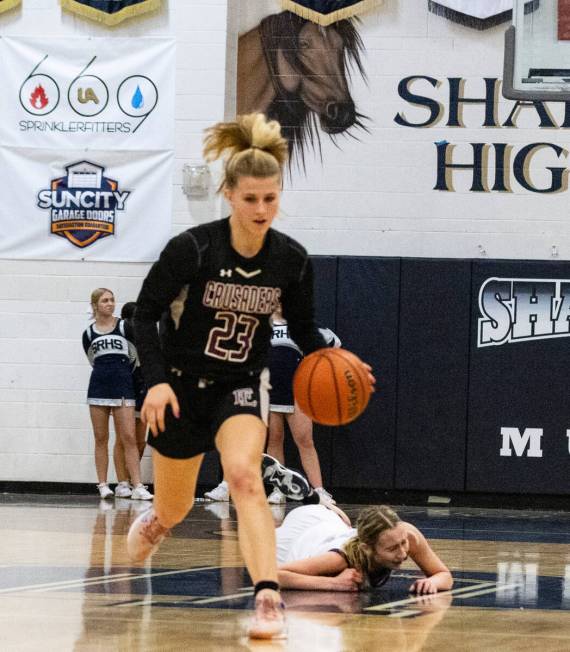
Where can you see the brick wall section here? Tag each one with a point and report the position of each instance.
(45, 433)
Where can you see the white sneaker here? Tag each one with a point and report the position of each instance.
(220, 494)
(140, 492)
(104, 490)
(123, 490)
(278, 514)
(145, 535)
(276, 497)
(324, 496)
(268, 621)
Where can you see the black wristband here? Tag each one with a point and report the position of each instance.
(265, 584)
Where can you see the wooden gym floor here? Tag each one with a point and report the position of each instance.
(66, 584)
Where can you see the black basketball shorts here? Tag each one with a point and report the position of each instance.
(204, 406)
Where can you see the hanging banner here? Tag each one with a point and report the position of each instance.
(101, 93)
(86, 147)
(479, 14)
(110, 12)
(326, 12)
(8, 4)
(65, 205)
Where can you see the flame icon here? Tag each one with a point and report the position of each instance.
(138, 100)
(39, 99)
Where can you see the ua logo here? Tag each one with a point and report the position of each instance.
(244, 397)
(225, 272)
(87, 95)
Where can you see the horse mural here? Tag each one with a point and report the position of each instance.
(298, 73)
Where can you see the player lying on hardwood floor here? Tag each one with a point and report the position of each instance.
(317, 549)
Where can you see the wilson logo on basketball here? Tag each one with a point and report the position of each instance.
(352, 394)
(332, 386)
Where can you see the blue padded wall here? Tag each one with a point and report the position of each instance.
(367, 322)
(522, 383)
(433, 374)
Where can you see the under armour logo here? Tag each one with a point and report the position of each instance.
(244, 397)
(225, 272)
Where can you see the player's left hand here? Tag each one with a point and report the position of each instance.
(424, 586)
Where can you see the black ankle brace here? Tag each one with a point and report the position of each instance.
(265, 584)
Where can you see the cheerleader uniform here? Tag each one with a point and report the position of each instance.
(111, 356)
(284, 358)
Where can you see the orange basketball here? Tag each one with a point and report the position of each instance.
(332, 387)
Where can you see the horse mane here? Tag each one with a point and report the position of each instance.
(299, 125)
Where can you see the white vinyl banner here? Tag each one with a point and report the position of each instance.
(86, 147)
(68, 205)
(101, 93)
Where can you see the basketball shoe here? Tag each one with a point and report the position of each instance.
(145, 535)
(220, 494)
(290, 483)
(123, 490)
(104, 490)
(140, 492)
(276, 497)
(324, 496)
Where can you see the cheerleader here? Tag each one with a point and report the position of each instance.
(106, 343)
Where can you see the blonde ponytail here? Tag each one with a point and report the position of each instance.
(251, 146)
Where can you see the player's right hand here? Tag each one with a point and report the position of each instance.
(154, 406)
(349, 580)
(371, 378)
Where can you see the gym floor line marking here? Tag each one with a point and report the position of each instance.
(418, 598)
(103, 579)
(491, 533)
(456, 580)
(192, 600)
(496, 589)
(408, 613)
(221, 598)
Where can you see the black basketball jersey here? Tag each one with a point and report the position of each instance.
(219, 304)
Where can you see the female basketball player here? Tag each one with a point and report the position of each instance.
(208, 381)
(317, 549)
(106, 343)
